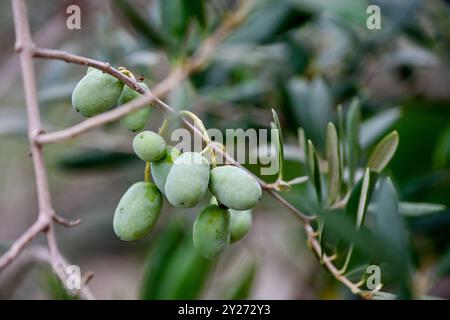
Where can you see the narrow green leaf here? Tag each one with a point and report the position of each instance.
(341, 138)
(363, 199)
(185, 275)
(373, 128)
(240, 287)
(174, 18)
(163, 248)
(334, 172)
(279, 144)
(314, 170)
(302, 144)
(389, 226)
(141, 24)
(197, 10)
(356, 209)
(416, 209)
(353, 123)
(383, 152)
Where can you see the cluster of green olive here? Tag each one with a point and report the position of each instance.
(184, 178)
(98, 92)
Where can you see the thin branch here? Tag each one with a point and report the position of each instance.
(19, 245)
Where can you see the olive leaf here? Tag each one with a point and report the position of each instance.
(341, 138)
(383, 152)
(356, 209)
(159, 258)
(175, 19)
(415, 209)
(334, 171)
(197, 10)
(302, 144)
(390, 226)
(353, 123)
(279, 140)
(373, 128)
(141, 24)
(185, 274)
(314, 170)
(239, 287)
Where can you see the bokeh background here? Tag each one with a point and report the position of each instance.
(300, 57)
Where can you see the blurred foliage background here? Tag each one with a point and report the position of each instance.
(300, 57)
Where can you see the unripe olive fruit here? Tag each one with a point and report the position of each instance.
(211, 234)
(187, 180)
(240, 224)
(95, 93)
(160, 169)
(234, 187)
(136, 120)
(149, 146)
(137, 212)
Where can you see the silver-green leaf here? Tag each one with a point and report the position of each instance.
(383, 152)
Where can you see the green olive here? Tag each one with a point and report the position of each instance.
(187, 180)
(240, 224)
(211, 234)
(149, 146)
(95, 93)
(234, 187)
(160, 169)
(137, 212)
(136, 120)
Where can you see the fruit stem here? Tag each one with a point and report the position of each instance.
(205, 135)
(162, 130)
(147, 172)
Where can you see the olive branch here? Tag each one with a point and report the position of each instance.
(47, 217)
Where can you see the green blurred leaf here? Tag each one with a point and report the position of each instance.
(441, 154)
(356, 209)
(416, 209)
(55, 287)
(185, 275)
(314, 170)
(270, 20)
(353, 122)
(334, 166)
(373, 128)
(197, 10)
(311, 105)
(239, 287)
(302, 144)
(280, 144)
(94, 160)
(349, 11)
(390, 226)
(157, 262)
(141, 24)
(383, 152)
(175, 19)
